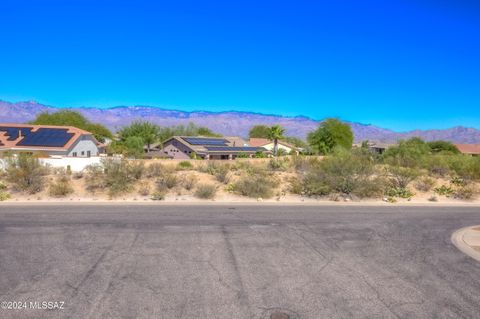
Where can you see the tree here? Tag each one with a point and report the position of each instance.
(331, 133)
(443, 147)
(259, 131)
(72, 118)
(274, 134)
(148, 132)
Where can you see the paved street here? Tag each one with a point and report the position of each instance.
(238, 262)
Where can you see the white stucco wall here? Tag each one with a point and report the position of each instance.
(76, 164)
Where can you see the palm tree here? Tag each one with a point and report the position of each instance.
(275, 133)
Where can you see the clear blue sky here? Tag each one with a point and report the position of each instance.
(400, 64)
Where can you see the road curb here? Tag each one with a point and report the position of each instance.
(458, 239)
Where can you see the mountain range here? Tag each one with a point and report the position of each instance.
(229, 122)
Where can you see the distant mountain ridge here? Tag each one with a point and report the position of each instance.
(229, 122)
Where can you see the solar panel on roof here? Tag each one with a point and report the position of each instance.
(12, 132)
(205, 141)
(235, 149)
(50, 137)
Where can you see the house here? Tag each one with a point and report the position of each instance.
(469, 149)
(376, 147)
(268, 144)
(222, 148)
(48, 140)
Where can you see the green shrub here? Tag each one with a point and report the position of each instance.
(158, 195)
(399, 192)
(3, 186)
(295, 186)
(345, 172)
(4, 196)
(184, 165)
(26, 173)
(61, 187)
(256, 185)
(189, 181)
(444, 190)
(457, 181)
(205, 191)
(425, 184)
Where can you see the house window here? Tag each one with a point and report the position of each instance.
(74, 154)
(83, 153)
(89, 153)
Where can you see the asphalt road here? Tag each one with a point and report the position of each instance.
(237, 262)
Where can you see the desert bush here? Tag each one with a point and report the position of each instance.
(3, 186)
(295, 186)
(279, 164)
(94, 178)
(136, 169)
(220, 171)
(466, 192)
(444, 190)
(144, 188)
(155, 170)
(205, 191)
(425, 184)
(437, 165)
(168, 180)
(222, 174)
(256, 185)
(400, 177)
(189, 181)
(26, 173)
(184, 165)
(78, 175)
(433, 199)
(345, 172)
(61, 187)
(115, 175)
(119, 176)
(4, 196)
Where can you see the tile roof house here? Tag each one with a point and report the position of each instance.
(268, 144)
(185, 147)
(470, 149)
(48, 139)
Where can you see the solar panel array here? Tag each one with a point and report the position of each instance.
(205, 141)
(235, 149)
(13, 132)
(50, 137)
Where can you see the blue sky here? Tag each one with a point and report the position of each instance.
(400, 64)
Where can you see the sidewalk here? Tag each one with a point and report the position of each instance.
(468, 241)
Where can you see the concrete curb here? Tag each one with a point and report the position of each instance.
(465, 238)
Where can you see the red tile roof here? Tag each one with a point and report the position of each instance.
(473, 149)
